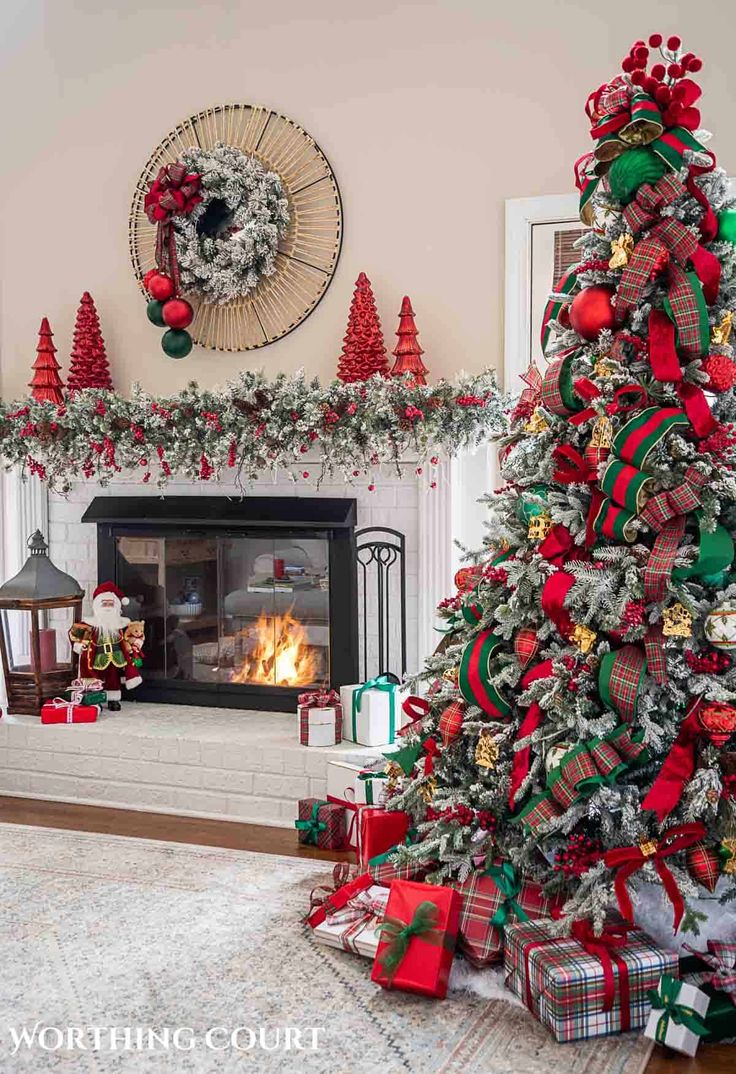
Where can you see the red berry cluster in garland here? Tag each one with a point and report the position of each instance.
(580, 854)
(711, 663)
(720, 443)
(463, 815)
(667, 81)
(496, 574)
(633, 614)
(722, 372)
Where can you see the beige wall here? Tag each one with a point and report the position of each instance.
(430, 113)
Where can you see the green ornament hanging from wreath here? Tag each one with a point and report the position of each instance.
(220, 216)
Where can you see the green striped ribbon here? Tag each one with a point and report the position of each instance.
(475, 676)
(625, 485)
(643, 432)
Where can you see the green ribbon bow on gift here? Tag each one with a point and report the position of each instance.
(367, 778)
(664, 998)
(423, 923)
(313, 826)
(508, 882)
(385, 685)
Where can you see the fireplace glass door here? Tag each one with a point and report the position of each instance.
(230, 609)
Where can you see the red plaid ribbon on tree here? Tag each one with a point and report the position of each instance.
(619, 679)
(556, 392)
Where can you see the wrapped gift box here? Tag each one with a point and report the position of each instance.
(388, 868)
(85, 697)
(321, 824)
(379, 830)
(420, 962)
(62, 711)
(677, 1016)
(354, 784)
(319, 717)
(491, 900)
(373, 711)
(354, 926)
(578, 994)
(714, 972)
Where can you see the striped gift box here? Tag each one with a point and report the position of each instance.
(564, 986)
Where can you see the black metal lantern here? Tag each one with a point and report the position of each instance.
(37, 607)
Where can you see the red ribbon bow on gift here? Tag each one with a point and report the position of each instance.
(174, 192)
(625, 861)
(602, 947)
(319, 699)
(721, 957)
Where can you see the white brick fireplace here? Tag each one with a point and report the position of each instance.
(231, 764)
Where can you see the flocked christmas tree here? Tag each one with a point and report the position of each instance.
(363, 349)
(89, 367)
(581, 718)
(407, 352)
(46, 385)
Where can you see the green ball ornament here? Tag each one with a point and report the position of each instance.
(727, 225)
(526, 510)
(631, 169)
(176, 343)
(154, 313)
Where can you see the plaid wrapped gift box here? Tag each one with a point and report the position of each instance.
(354, 926)
(319, 714)
(579, 994)
(491, 900)
(321, 824)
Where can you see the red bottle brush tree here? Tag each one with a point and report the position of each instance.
(46, 385)
(89, 367)
(363, 348)
(408, 353)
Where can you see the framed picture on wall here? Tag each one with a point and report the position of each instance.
(540, 247)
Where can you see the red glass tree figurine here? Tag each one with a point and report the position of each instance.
(408, 353)
(363, 349)
(89, 366)
(46, 385)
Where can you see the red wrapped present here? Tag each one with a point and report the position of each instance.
(321, 824)
(491, 899)
(379, 830)
(326, 899)
(583, 985)
(61, 711)
(418, 937)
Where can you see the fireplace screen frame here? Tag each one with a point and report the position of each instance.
(275, 517)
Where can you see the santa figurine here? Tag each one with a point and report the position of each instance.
(105, 652)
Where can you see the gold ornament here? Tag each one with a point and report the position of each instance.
(426, 791)
(537, 423)
(539, 527)
(602, 368)
(452, 675)
(394, 772)
(721, 333)
(583, 637)
(648, 848)
(602, 433)
(486, 751)
(729, 845)
(677, 622)
(621, 250)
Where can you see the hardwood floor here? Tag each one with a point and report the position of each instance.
(711, 1059)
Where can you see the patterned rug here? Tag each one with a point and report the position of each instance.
(181, 955)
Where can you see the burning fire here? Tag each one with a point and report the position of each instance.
(280, 655)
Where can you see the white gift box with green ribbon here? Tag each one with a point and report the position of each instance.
(677, 1017)
(372, 712)
(354, 785)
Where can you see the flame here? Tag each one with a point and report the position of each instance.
(280, 656)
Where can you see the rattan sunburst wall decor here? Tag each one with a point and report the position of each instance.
(305, 228)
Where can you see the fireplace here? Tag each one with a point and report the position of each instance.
(246, 602)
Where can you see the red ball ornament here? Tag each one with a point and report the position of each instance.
(655, 40)
(722, 372)
(591, 311)
(160, 287)
(149, 276)
(177, 313)
(451, 722)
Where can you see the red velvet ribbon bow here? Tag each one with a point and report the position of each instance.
(174, 192)
(678, 767)
(587, 390)
(625, 861)
(572, 469)
(431, 750)
(666, 367)
(603, 947)
(533, 719)
(416, 708)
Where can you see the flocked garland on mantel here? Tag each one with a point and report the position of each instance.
(250, 427)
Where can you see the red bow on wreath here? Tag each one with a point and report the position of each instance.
(625, 861)
(174, 192)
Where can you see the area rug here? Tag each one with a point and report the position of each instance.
(124, 955)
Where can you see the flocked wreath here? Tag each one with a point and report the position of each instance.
(220, 216)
